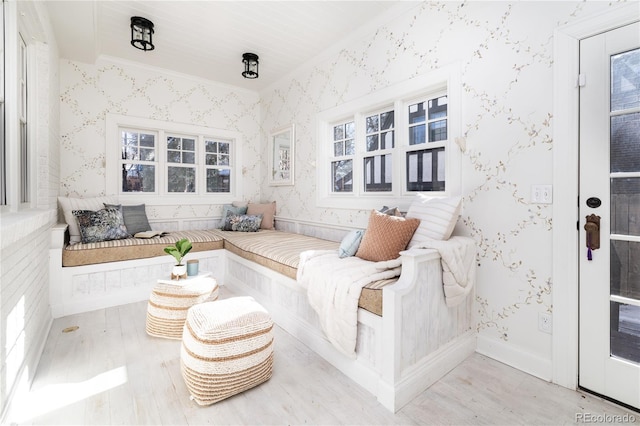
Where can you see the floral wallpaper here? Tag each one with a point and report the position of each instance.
(506, 55)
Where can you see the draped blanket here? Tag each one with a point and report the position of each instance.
(333, 288)
(458, 258)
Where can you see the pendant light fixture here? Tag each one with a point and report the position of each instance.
(142, 33)
(250, 65)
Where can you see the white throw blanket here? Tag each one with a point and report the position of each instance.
(333, 288)
(458, 256)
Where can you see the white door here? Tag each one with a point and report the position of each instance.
(609, 359)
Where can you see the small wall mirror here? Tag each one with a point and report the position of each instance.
(281, 155)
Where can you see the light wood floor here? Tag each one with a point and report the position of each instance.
(109, 371)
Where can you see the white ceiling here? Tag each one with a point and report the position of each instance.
(207, 38)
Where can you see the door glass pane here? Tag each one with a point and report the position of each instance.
(625, 331)
(625, 80)
(625, 147)
(625, 206)
(625, 269)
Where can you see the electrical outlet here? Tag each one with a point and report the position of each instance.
(544, 322)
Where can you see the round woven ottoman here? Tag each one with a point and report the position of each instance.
(170, 301)
(227, 348)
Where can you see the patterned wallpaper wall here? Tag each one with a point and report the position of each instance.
(505, 51)
(89, 92)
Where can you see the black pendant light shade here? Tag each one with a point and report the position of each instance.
(142, 33)
(250, 61)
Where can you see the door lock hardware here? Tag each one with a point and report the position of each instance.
(592, 227)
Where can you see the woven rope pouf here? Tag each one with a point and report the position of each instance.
(169, 303)
(227, 348)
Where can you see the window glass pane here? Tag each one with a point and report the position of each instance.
(218, 180)
(417, 113)
(373, 124)
(188, 157)
(438, 131)
(386, 140)
(147, 154)
(188, 144)
(147, 140)
(624, 144)
(350, 147)
(372, 142)
(342, 176)
(350, 130)
(338, 132)
(378, 172)
(24, 164)
(138, 178)
(425, 170)
(438, 108)
(223, 160)
(211, 146)
(223, 147)
(173, 156)
(338, 149)
(173, 143)
(386, 119)
(211, 159)
(181, 179)
(625, 80)
(417, 135)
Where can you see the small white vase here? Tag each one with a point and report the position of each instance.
(179, 271)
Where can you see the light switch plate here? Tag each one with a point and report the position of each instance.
(542, 194)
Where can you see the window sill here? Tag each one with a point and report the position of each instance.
(16, 225)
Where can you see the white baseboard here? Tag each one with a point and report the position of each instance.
(516, 357)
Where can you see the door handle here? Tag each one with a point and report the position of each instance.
(593, 234)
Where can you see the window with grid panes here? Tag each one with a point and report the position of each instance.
(181, 168)
(378, 168)
(25, 195)
(343, 154)
(425, 158)
(139, 160)
(217, 164)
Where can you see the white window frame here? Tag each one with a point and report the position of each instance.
(162, 129)
(20, 171)
(445, 80)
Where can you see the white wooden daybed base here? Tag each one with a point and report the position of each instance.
(416, 341)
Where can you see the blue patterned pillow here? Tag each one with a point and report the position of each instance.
(350, 243)
(226, 208)
(242, 223)
(101, 225)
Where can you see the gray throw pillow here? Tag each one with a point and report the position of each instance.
(135, 217)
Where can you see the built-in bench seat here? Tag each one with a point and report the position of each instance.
(137, 248)
(398, 354)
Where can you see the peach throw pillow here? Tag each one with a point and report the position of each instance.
(386, 236)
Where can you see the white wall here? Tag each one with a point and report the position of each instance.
(505, 54)
(25, 316)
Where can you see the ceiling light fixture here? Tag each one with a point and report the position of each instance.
(142, 33)
(250, 65)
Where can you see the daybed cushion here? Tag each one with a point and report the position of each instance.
(280, 251)
(277, 250)
(136, 248)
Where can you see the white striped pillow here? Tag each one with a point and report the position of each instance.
(438, 217)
